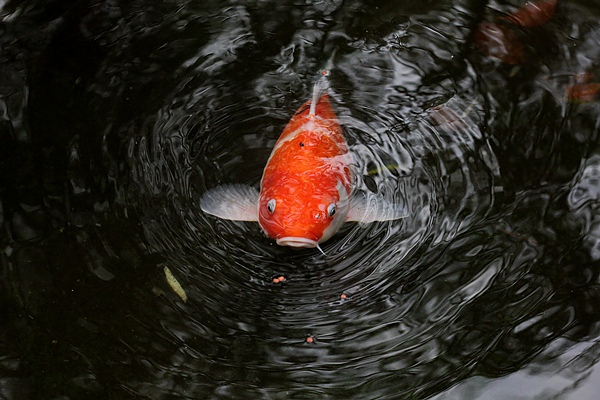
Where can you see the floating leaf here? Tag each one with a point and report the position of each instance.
(446, 118)
(175, 284)
(533, 14)
(443, 115)
(501, 42)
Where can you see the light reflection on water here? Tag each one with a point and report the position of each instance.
(487, 289)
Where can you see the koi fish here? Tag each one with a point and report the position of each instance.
(307, 191)
(505, 41)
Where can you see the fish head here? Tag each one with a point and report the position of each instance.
(299, 213)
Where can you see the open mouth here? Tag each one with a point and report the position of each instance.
(297, 242)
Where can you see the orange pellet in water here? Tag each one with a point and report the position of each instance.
(310, 339)
(279, 279)
(343, 296)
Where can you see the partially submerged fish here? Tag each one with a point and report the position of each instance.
(307, 190)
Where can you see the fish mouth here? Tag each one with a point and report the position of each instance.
(294, 241)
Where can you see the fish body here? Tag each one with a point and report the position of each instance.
(307, 183)
(307, 188)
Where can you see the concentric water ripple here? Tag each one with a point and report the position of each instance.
(492, 275)
(435, 162)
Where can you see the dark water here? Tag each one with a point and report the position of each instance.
(116, 116)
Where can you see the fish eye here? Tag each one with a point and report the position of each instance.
(331, 210)
(271, 206)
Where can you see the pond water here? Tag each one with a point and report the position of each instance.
(115, 118)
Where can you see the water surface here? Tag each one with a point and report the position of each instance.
(115, 117)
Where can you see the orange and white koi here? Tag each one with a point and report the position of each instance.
(307, 188)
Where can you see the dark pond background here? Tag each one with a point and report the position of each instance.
(115, 117)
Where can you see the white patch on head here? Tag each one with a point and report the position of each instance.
(308, 126)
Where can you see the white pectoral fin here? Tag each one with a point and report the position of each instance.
(371, 207)
(235, 202)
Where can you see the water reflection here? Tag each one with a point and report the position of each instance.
(583, 199)
(116, 118)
